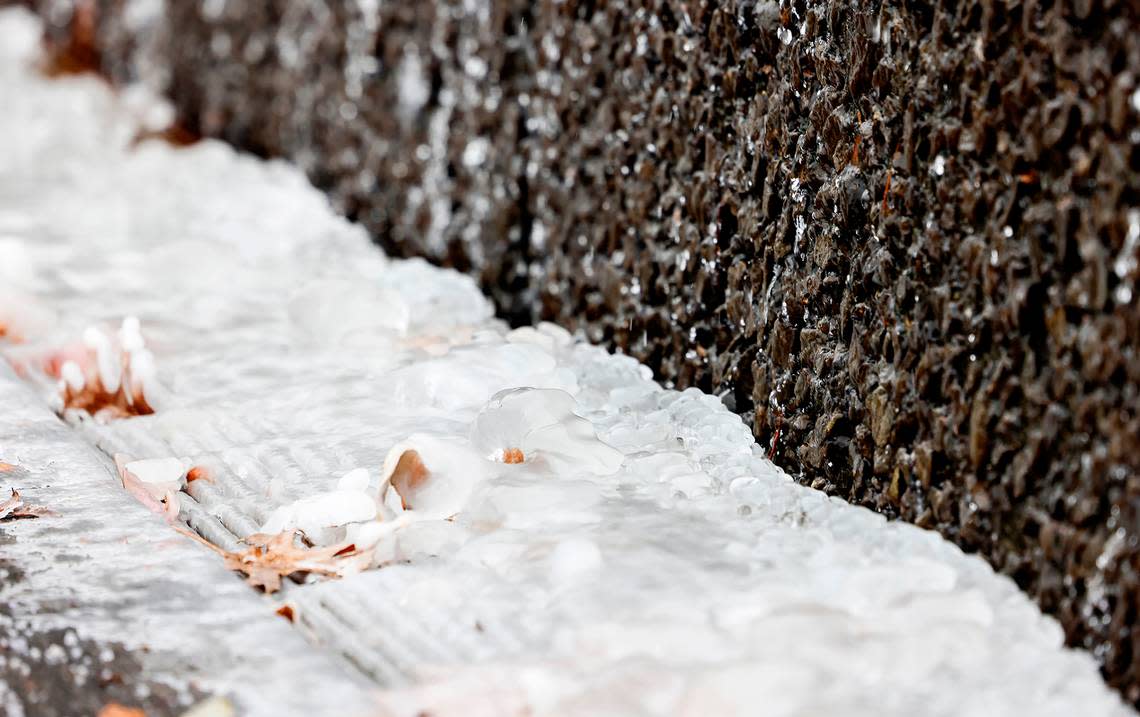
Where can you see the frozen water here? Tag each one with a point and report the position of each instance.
(554, 532)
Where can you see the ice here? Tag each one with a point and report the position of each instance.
(159, 475)
(574, 559)
(433, 476)
(326, 510)
(554, 532)
(526, 425)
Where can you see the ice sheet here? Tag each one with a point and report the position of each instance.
(693, 578)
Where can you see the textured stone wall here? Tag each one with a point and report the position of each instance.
(901, 238)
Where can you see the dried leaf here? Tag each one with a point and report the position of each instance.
(95, 399)
(14, 508)
(136, 487)
(114, 709)
(165, 503)
(272, 557)
(199, 473)
(10, 505)
(6, 467)
(176, 135)
(105, 375)
(408, 475)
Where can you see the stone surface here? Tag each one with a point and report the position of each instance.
(901, 239)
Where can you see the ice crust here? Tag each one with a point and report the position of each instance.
(670, 569)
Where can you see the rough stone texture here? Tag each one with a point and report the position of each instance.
(900, 238)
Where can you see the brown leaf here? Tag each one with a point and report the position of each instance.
(95, 399)
(176, 135)
(136, 487)
(114, 709)
(272, 557)
(14, 508)
(10, 505)
(6, 467)
(199, 473)
(410, 473)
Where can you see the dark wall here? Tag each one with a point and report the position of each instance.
(900, 238)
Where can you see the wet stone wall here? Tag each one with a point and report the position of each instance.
(900, 238)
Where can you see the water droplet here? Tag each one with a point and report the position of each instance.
(939, 167)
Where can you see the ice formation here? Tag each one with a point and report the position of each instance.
(541, 426)
(558, 534)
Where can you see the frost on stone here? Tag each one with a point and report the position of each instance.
(541, 427)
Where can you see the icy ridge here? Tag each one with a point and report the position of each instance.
(688, 576)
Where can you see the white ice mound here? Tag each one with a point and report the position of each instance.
(542, 427)
(350, 502)
(432, 477)
(335, 311)
(551, 337)
(23, 318)
(159, 476)
(437, 299)
(466, 377)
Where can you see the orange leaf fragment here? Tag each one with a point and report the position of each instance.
(114, 709)
(198, 473)
(410, 473)
(176, 135)
(136, 487)
(513, 455)
(6, 467)
(272, 557)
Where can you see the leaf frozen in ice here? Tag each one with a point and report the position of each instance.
(272, 557)
(106, 376)
(531, 425)
(433, 476)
